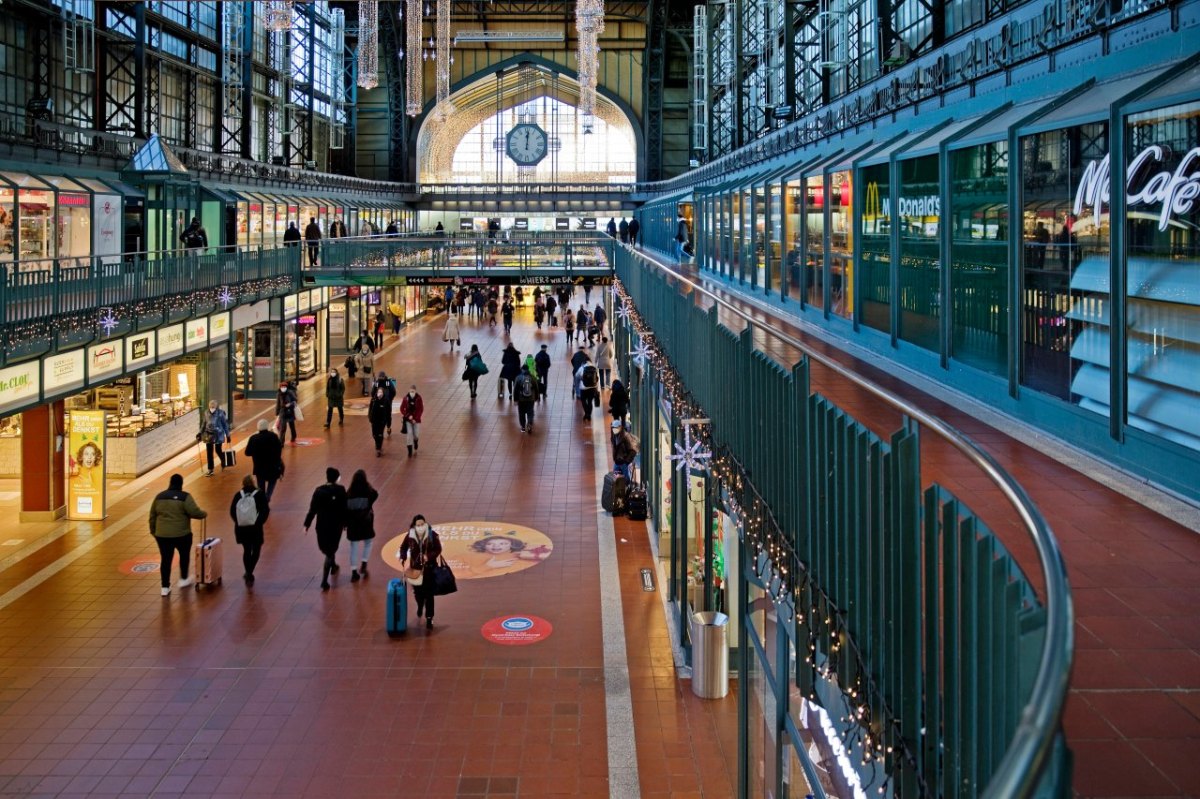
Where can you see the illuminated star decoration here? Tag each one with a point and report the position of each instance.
(614, 290)
(641, 353)
(225, 297)
(691, 456)
(108, 321)
(623, 312)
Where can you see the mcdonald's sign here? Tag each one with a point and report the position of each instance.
(876, 208)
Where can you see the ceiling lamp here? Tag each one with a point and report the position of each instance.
(442, 61)
(277, 15)
(589, 23)
(368, 43)
(414, 87)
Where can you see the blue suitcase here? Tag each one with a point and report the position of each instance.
(397, 607)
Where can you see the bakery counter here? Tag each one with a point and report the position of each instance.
(130, 456)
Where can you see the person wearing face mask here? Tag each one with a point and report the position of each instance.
(364, 362)
(214, 431)
(328, 507)
(379, 414)
(420, 550)
(285, 410)
(335, 395)
(411, 408)
(389, 388)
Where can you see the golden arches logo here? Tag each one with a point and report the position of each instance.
(873, 206)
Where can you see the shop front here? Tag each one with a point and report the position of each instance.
(305, 336)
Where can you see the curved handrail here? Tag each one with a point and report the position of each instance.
(1017, 773)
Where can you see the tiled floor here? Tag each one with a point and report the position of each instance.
(106, 689)
(1133, 714)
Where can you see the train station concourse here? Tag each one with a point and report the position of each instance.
(610, 398)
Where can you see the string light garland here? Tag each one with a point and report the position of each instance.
(368, 43)
(415, 69)
(277, 15)
(869, 722)
(442, 61)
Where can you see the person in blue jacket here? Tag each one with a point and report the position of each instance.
(214, 432)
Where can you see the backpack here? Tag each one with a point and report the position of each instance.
(590, 377)
(525, 391)
(246, 510)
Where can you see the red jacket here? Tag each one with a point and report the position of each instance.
(412, 408)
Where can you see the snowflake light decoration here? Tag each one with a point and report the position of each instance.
(614, 290)
(641, 353)
(691, 455)
(108, 321)
(623, 312)
(225, 297)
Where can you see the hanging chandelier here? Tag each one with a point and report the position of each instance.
(589, 24)
(277, 15)
(414, 86)
(442, 61)
(368, 43)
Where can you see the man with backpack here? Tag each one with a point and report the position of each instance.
(589, 388)
(525, 392)
(249, 511)
(194, 237)
(542, 361)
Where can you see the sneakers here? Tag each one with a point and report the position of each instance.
(166, 591)
(185, 582)
(354, 578)
(522, 428)
(363, 569)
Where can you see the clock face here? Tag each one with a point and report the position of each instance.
(526, 144)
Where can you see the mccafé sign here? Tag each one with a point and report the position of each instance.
(1173, 192)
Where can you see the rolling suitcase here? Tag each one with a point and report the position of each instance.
(208, 561)
(500, 388)
(635, 503)
(612, 497)
(397, 607)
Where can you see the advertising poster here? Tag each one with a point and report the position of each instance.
(85, 466)
(476, 550)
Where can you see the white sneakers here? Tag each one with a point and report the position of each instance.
(185, 583)
(166, 590)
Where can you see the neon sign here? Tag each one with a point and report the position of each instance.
(1175, 192)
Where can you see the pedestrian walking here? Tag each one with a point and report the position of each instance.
(266, 451)
(587, 292)
(492, 307)
(577, 361)
(611, 227)
(364, 364)
(519, 293)
(552, 310)
(249, 511)
(634, 228)
(328, 507)
(506, 312)
(589, 388)
(364, 338)
(592, 330)
(526, 392)
(600, 316)
(360, 523)
(380, 326)
(335, 396)
(451, 333)
(419, 553)
(623, 229)
(214, 432)
(194, 237)
(581, 323)
(312, 237)
(618, 400)
(539, 312)
(171, 515)
(476, 368)
(287, 410)
(291, 236)
(389, 389)
(542, 359)
(379, 414)
(510, 367)
(568, 324)
(412, 407)
(604, 355)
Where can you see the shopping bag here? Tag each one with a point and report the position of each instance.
(299, 413)
(442, 579)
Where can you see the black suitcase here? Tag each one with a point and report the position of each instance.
(612, 498)
(635, 503)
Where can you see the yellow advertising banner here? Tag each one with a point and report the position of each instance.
(85, 466)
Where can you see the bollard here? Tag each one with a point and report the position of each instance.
(710, 655)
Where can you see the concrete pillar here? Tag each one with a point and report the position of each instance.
(43, 468)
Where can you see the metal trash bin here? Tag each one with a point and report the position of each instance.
(710, 655)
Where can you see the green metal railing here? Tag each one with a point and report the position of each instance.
(966, 670)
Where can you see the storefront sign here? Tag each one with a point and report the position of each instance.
(139, 350)
(197, 334)
(466, 224)
(562, 223)
(1173, 193)
(170, 341)
(74, 200)
(587, 224)
(289, 306)
(19, 384)
(85, 465)
(106, 223)
(63, 371)
(930, 205)
(104, 360)
(875, 206)
(218, 327)
(521, 223)
(304, 301)
(337, 320)
(316, 299)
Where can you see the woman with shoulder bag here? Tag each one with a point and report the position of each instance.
(360, 522)
(418, 555)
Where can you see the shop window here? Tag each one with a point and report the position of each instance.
(875, 231)
(1064, 261)
(7, 220)
(814, 241)
(841, 244)
(1162, 222)
(919, 213)
(979, 256)
(37, 224)
(775, 239)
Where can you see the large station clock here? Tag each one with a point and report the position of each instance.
(526, 144)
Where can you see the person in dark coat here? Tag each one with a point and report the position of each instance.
(389, 388)
(611, 227)
(266, 451)
(328, 507)
(285, 409)
(475, 368)
(618, 400)
(506, 312)
(623, 228)
(250, 537)
(335, 395)
(526, 392)
(542, 360)
(195, 237)
(312, 237)
(291, 236)
(600, 317)
(552, 309)
(634, 227)
(360, 522)
(420, 550)
(581, 323)
(510, 367)
(379, 414)
(412, 408)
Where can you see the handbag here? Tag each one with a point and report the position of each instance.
(299, 414)
(413, 575)
(442, 578)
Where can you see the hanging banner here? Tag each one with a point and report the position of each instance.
(85, 466)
